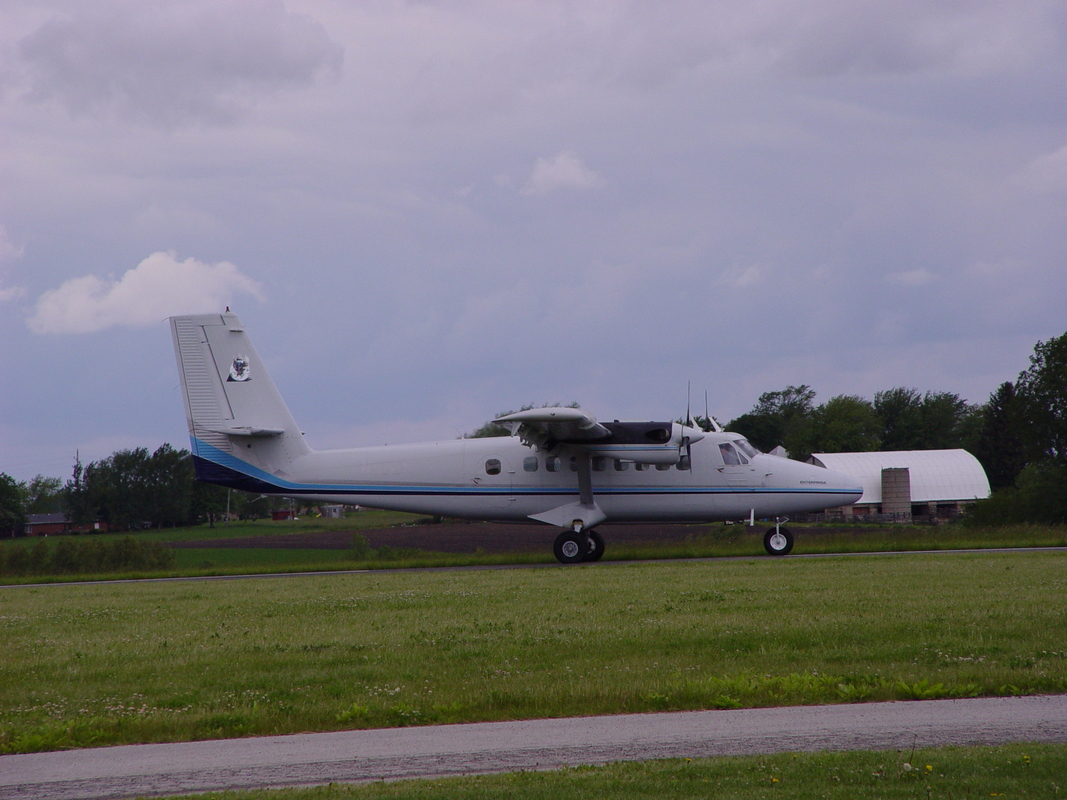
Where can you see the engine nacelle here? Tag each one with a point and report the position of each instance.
(645, 442)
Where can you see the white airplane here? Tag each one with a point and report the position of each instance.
(560, 466)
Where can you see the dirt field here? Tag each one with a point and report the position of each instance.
(462, 537)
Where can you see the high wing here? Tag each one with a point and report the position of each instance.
(553, 424)
(642, 442)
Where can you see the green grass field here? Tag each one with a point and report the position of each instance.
(100, 664)
(704, 541)
(1017, 771)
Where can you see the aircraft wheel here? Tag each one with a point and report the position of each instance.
(596, 546)
(778, 541)
(571, 547)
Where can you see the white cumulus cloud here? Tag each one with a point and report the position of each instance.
(158, 287)
(565, 171)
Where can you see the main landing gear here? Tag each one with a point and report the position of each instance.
(778, 541)
(574, 547)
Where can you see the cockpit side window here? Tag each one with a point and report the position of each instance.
(730, 457)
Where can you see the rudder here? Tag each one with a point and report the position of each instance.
(239, 426)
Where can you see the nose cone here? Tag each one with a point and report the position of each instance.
(848, 487)
(826, 486)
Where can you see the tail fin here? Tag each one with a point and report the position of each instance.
(241, 432)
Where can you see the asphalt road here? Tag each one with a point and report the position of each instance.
(347, 756)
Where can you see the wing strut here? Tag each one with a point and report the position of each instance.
(585, 479)
(581, 515)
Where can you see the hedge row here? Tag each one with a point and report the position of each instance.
(78, 555)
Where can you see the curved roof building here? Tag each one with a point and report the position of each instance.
(937, 476)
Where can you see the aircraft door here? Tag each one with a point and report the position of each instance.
(497, 475)
(737, 469)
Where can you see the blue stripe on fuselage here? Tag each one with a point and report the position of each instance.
(249, 478)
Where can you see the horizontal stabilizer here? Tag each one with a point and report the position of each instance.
(248, 430)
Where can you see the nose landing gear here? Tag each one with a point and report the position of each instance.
(778, 541)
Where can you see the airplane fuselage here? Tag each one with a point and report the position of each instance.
(502, 479)
(560, 466)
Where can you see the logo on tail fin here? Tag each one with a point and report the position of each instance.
(240, 370)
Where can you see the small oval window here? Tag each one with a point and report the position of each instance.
(530, 463)
(552, 464)
(492, 466)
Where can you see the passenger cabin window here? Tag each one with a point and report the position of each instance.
(640, 467)
(663, 467)
(552, 464)
(492, 466)
(574, 463)
(683, 462)
(621, 466)
(530, 463)
(599, 462)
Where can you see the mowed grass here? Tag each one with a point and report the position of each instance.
(137, 662)
(1032, 771)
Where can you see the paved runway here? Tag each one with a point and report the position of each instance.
(315, 758)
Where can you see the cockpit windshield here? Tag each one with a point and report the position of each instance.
(746, 448)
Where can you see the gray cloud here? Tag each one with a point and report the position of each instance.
(172, 62)
(531, 201)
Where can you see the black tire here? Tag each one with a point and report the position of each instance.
(596, 546)
(571, 547)
(778, 541)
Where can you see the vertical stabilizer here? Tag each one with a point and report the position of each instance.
(240, 430)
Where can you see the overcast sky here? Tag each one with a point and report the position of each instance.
(426, 213)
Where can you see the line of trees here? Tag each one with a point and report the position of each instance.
(129, 490)
(1019, 435)
(897, 419)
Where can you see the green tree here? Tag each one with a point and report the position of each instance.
(168, 475)
(76, 495)
(134, 488)
(12, 516)
(1000, 447)
(900, 413)
(843, 424)
(944, 417)
(1039, 412)
(1042, 397)
(43, 495)
(931, 421)
(778, 418)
